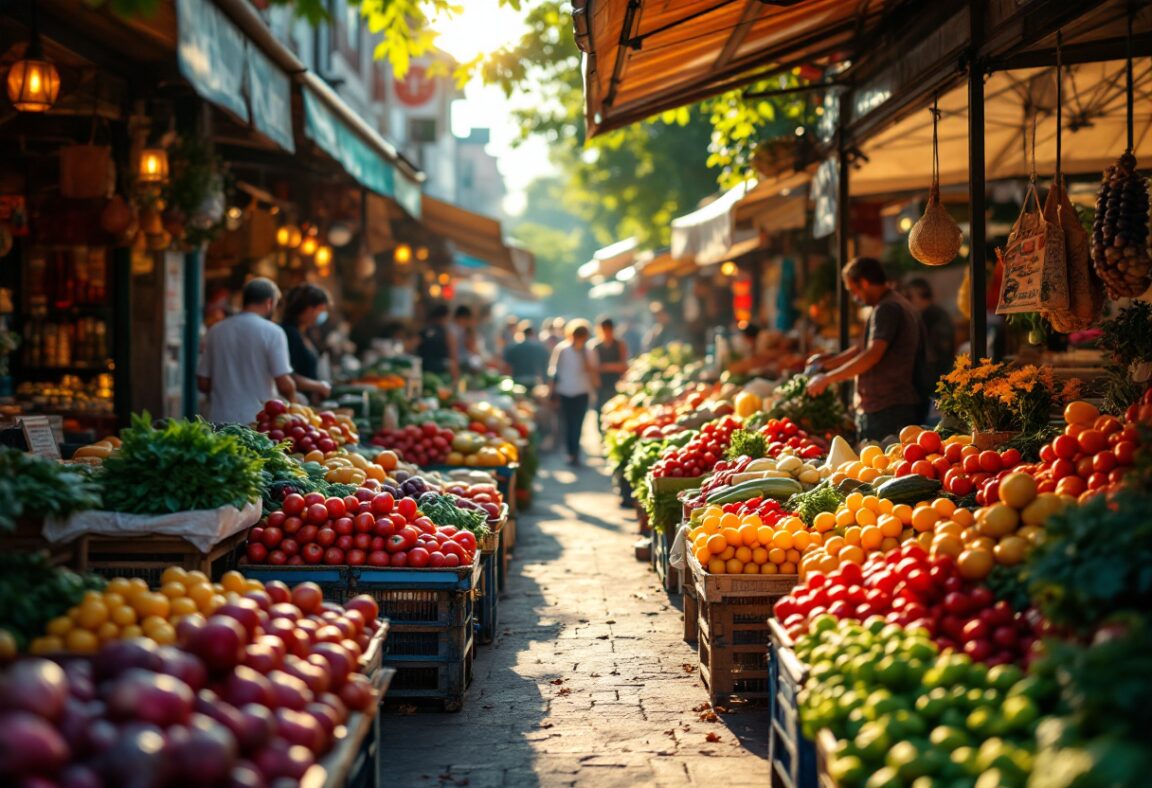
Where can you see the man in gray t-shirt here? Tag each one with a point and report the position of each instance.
(885, 366)
(245, 359)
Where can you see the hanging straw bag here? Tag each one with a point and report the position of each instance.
(935, 239)
(1035, 273)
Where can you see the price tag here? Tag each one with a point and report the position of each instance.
(39, 436)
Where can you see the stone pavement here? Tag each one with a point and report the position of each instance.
(588, 682)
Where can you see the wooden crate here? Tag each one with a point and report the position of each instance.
(791, 754)
(691, 613)
(733, 631)
(149, 556)
(28, 537)
(661, 553)
(825, 749)
(488, 600)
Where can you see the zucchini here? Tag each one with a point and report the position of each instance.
(747, 476)
(766, 488)
(911, 489)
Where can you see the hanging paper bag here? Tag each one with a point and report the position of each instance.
(1035, 274)
(1085, 290)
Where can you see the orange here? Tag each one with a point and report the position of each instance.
(174, 574)
(703, 555)
(925, 539)
(173, 590)
(834, 545)
(881, 463)
(760, 555)
(869, 475)
(202, 594)
(764, 534)
(910, 433)
(852, 535)
(886, 506)
(777, 556)
(92, 614)
(948, 528)
(82, 641)
(130, 632)
(150, 604)
(889, 543)
(816, 538)
(164, 634)
(852, 554)
(123, 616)
(792, 525)
(769, 569)
(947, 545)
(981, 543)
(870, 537)
(869, 454)
(59, 626)
(924, 517)
(734, 566)
(108, 631)
(964, 517)
(1018, 490)
(717, 543)
(118, 585)
(138, 585)
(889, 525)
(743, 554)
(1080, 412)
(751, 569)
(791, 556)
(112, 600)
(903, 513)
(871, 503)
(733, 537)
(729, 551)
(824, 521)
(716, 567)
(974, 564)
(729, 520)
(753, 520)
(711, 525)
(801, 540)
(234, 581)
(865, 517)
(829, 563)
(943, 507)
(747, 535)
(854, 501)
(1011, 550)
(783, 540)
(997, 520)
(788, 568)
(845, 517)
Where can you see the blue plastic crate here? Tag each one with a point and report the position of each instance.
(333, 580)
(792, 755)
(488, 607)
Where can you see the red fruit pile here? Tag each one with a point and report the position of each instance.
(279, 424)
(909, 588)
(1088, 460)
(699, 455)
(784, 434)
(366, 529)
(961, 468)
(253, 695)
(423, 445)
(486, 496)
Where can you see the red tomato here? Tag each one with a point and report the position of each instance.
(1125, 453)
(1047, 454)
(313, 498)
(317, 514)
(419, 557)
(1071, 485)
(990, 461)
(924, 468)
(277, 558)
(954, 453)
(382, 504)
(307, 534)
(903, 468)
(1046, 486)
(290, 547)
(312, 553)
(958, 483)
(292, 524)
(333, 556)
(325, 537)
(913, 452)
(272, 536)
(971, 464)
(1104, 462)
(1063, 468)
(1010, 458)
(407, 507)
(293, 504)
(336, 508)
(1097, 480)
(1092, 441)
(257, 553)
(343, 526)
(1084, 467)
(276, 519)
(929, 441)
(1065, 447)
(942, 466)
(364, 523)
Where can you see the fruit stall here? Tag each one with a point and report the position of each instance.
(236, 602)
(962, 606)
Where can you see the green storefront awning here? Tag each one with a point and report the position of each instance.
(363, 153)
(230, 71)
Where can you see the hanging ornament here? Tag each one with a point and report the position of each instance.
(936, 238)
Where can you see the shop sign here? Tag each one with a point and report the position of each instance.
(270, 99)
(210, 55)
(417, 88)
(39, 436)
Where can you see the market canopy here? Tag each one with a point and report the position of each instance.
(642, 58)
(366, 156)
(473, 236)
(1094, 119)
(610, 260)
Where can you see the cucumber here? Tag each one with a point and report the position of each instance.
(911, 489)
(767, 488)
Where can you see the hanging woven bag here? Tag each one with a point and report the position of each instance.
(936, 238)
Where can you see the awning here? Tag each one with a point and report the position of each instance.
(1095, 129)
(664, 264)
(610, 260)
(474, 236)
(361, 151)
(644, 58)
(706, 235)
(230, 71)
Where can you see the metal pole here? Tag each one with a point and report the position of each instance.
(193, 309)
(976, 189)
(842, 232)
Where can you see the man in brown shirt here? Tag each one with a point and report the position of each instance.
(887, 364)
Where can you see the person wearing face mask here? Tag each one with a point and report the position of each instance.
(245, 360)
(887, 365)
(304, 307)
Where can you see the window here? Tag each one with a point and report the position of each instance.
(422, 130)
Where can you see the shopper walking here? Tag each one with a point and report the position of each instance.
(574, 379)
(526, 357)
(611, 362)
(306, 306)
(437, 347)
(245, 359)
(886, 365)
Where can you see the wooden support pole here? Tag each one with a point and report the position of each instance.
(977, 190)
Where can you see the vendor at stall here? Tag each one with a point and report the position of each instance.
(886, 366)
(306, 307)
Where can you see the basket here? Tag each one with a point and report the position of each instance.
(936, 238)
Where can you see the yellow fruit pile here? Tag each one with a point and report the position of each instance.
(1002, 533)
(127, 608)
(345, 467)
(873, 464)
(865, 524)
(725, 543)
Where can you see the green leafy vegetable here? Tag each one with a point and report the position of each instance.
(815, 414)
(824, 497)
(441, 510)
(746, 443)
(184, 466)
(32, 486)
(33, 592)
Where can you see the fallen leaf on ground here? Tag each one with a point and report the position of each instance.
(557, 681)
(547, 725)
(709, 716)
(564, 691)
(702, 707)
(712, 737)
(594, 675)
(688, 667)
(669, 732)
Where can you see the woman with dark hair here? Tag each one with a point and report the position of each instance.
(305, 306)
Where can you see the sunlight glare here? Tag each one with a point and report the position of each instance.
(482, 27)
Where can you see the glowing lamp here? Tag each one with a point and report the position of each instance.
(403, 254)
(153, 166)
(434, 291)
(33, 82)
(728, 269)
(445, 279)
(323, 256)
(421, 253)
(309, 246)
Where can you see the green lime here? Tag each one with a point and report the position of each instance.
(884, 778)
(948, 738)
(1004, 677)
(904, 757)
(891, 672)
(1019, 713)
(848, 770)
(965, 758)
(933, 705)
(873, 742)
(823, 623)
(980, 722)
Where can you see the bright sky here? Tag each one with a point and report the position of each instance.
(484, 26)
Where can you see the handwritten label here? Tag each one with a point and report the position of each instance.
(39, 436)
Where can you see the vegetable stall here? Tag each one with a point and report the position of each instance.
(960, 606)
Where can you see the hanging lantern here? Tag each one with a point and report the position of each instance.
(323, 256)
(728, 269)
(445, 279)
(422, 253)
(309, 246)
(153, 166)
(403, 254)
(33, 82)
(289, 236)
